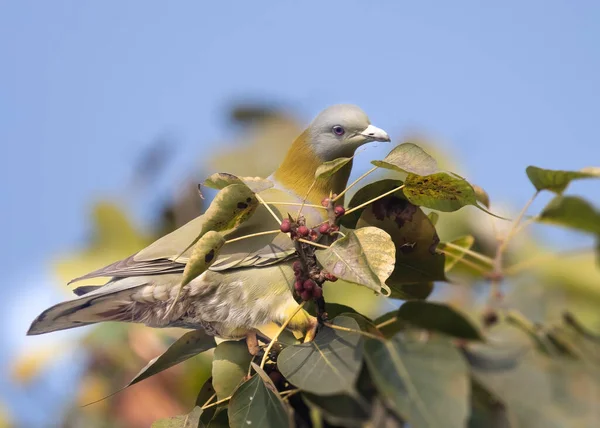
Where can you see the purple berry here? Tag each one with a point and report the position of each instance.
(324, 228)
(306, 295)
(298, 286)
(325, 202)
(317, 293)
(339, 211)
(309, 285)
(303, 231)
(285, 226)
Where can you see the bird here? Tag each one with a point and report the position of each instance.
(250, 285)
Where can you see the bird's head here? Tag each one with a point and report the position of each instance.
(340, 129)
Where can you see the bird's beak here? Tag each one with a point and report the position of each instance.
(373, 133)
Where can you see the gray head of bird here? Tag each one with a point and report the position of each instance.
(340, 129)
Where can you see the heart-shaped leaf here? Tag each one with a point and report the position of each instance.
(204, 253)
(411, 231)
(187, 346)
(257, 403)
(231, 207)
(328, 365)
(409, 158)
(573, 212)
(231, 361)
(220, 180)
(557, 180)
(425, 383)
(440, 318)
(347, 259)
(327, 169)
(439, 191)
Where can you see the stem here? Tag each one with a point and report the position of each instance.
(387, 322)
(354, 183)
(374, 199)
(297, 204)
(210, 399)
(351, 330)
(216, 403)
(470, 252)
(306, 241)
(252, 235)
(289, 392)
(262, 201)
(306, 197)
(283, 326)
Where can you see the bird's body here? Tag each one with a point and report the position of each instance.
(250, 285)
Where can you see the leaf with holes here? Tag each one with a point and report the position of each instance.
(439, 191)
(187, 346)
(425, 383)
(439, 318)
(220, 180)
(256, 403)
(557, 180)
(348, 259)
(204, 253)
(409, 158)
(453, 254)
(328, 365)
(411, 231)
(327, 169)
(572, 212)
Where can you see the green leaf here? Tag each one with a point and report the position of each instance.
(453, 255)
(190, 344)
(328, 365)
(391, 329)
(257, 403)
(425, 383)
(349, 260)
(439, 191)
(220, 180)
(204, 253)
(327, 169)
(411, 231)
(440, 318)
(414, 291)
(557, 180)
(191, 420)
(230, 365)
(206, 392)
(572, 212)
(410, 158)
(231, 207)
(571, 320)
(345, 410)
(433, 217)
(487, 410)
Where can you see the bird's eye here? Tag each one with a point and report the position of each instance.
(338, 130)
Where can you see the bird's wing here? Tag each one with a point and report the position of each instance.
(166, 255)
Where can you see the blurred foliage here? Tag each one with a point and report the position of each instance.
(524, 353)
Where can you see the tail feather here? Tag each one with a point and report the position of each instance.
(110, 302)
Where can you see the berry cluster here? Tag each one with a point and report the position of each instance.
(306, 288)
(338, 210)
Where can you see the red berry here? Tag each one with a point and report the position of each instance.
(303, 231)
(324, 228)
(306, 295)
(330, 277)
(333, 228)
(309, 285)
(317, 293)
(298, 286)
(297, 266)
(285, 226)
(313, 235)
(339, 210)
(325, 202)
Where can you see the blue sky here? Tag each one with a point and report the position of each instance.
(85, 86)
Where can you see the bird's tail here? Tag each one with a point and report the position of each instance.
(110, 302)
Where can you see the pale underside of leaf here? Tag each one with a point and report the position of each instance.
(328, 169)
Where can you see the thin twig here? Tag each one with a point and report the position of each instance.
(374, 199)
(297, 204)
(354, 183)
(262, 201)
(392, 320)
(470, 252)
(276, 336)
(289, 392)
(216, 403)
(306, 241)
(351, 330)
(306, 197)
(469, 263)
(252, 235)
(210, 399)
